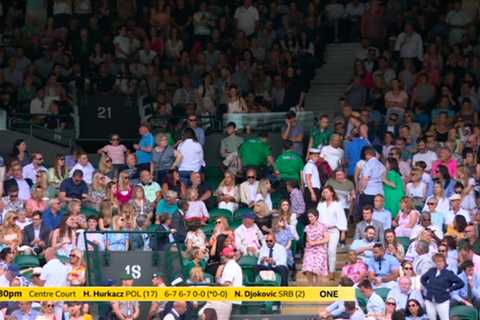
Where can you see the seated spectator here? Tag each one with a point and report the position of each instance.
(455, 209)
(273, 256)
(457, 230)
(74, 187)
(228, 193)
(406, 219)
(84, 165)
(367, 214)
(248, 237)
(427, 236)
(248, 189)
(355, 269)
(415, 311)
(36, 235)
(392, 247)
(338, 308)
(30, 170)
(168, 204)
(17, 180)
(203, 190)
(196, 239)
(469, 295)
(364, 246)
(150, 188)
(375, 304)
(383, 268)
(197, 211)
(118, 241)
(403, 292)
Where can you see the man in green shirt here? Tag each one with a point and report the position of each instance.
(289, 164)
(320, 136)
(255, 152)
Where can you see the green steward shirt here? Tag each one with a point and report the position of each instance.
(254, 152)
(289, 164)
(320, 137)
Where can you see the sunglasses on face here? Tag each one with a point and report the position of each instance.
(408, 268)
(431, 203)
(192, 120)
(251, 177)
(270, 241)
(391, 303)
(412, 305)
(49, 305)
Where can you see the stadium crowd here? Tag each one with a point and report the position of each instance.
(397, 166)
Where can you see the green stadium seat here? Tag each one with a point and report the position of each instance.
(361, 299)
(268, 283)
(382, 292)
(464, 313)
(217, 212)
(404, 241)
(248, 265)
(63, 259)
(27, 261)
(238, 215)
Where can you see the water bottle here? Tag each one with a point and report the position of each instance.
(66, 315)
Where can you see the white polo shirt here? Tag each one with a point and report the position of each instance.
(232, 273)
(192, 156)
(87, 170)
(55, 273)
(311, 168)
(29, 172)
(247, 19)
(450, 215)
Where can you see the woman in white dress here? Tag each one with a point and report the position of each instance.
(236, 104)
(228, 194)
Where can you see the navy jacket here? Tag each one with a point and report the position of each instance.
(439, 288)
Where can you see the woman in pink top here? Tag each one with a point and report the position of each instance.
(124, 189)
(406, 219)
(36, 202)
(115, 151)
(355, 269)
(445, 159)
(197, 211)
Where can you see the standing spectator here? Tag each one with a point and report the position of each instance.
(393, 187)
(409, 44)
(332, 215)
(144, 147)
(230, 275)
(246, 18)
(311, 179)
(163, 158)
(116, 151)
(320, 136)
(190, 156)
(288, 164)
(229, 147)
(255, 152)
(199, 132)
(439, 283)
(294, 132)
(315, 259)
(371, 178)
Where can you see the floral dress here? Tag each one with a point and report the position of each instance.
(283, 236)
(315, 259)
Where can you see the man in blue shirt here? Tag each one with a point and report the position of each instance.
(73, 188)
(469, 295)
(25, 312)
(144, 147)
(52, 217)
(380, 213)
(353, 150)
(383, 269)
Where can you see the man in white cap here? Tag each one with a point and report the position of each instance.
(311, 178)
(455, 209)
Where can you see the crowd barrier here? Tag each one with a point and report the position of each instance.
(271, 121)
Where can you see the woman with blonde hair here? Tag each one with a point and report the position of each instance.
(264, 191)
(407, 218)
(10, 234)
(77, 274)
(140, 203)
(75, 211)
(37, 202)
(465, 177)
(124, 189)
(105, 222)
(221, 230)
(42, 181)
(110, 193)
(97, 190)
(118, 241)
(105, 166)
(228, 194)
(128, 212)
(263, 216)
(58, 172)
(163, 158)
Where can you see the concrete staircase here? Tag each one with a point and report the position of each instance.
(331, 79)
